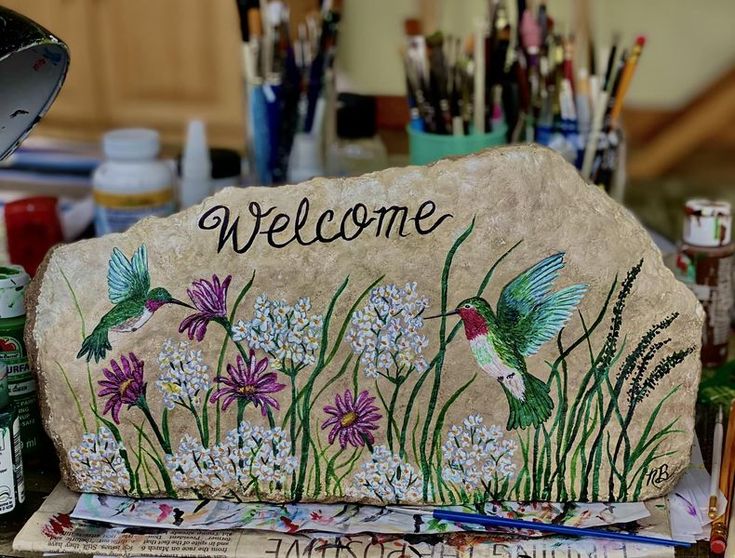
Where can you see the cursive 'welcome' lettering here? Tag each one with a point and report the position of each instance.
(281, 229)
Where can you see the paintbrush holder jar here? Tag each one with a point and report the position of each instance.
(425, 148)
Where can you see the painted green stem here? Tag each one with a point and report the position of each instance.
(165, 446)
(397, 382)
(305, 417)
(425, 461)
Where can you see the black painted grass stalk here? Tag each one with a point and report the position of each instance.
(640, 392)
(637, 361)
(561, 424)
(604, 362)
(600, 377)
(596, 456)
(426, 460)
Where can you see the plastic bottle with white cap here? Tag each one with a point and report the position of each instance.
(132, 183)
(196, 166)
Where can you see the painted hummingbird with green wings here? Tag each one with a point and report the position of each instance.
(527, 315)
(128, 288)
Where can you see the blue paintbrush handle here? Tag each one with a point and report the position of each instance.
(492, 521)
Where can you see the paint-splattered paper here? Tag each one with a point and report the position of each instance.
(333, 518)
(52, 530)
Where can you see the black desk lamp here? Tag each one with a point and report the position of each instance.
(33, 65)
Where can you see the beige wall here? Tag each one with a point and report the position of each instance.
(690, 42)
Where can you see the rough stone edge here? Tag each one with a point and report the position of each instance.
(31, 298)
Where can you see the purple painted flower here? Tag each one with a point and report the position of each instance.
(352, 419)
(123, 384)
(210, 298)
(248, 382)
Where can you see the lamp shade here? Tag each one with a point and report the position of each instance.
(33, 65)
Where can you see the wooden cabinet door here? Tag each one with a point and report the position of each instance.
(167, 61)
(78, 102)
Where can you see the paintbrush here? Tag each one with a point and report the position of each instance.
(625, 80)
(720, 525)
(714, 488)
(494, 521)
(438, 82)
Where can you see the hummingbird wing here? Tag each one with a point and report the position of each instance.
(128, 279)
(527, 310)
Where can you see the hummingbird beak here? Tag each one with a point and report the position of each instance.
(180, 303)
(446, 314)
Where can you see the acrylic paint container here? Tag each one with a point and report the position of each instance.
(14, 359)
(426, 148)
(132, 183)
(705, 264)
(12, 483)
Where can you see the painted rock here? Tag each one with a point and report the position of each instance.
(484, 328)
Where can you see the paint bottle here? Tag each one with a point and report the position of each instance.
(14, 359)
(226, 168)
(704, 263)
(12, 485)
(14, 372)
(196, 166)
(358, 149)
(132, 183)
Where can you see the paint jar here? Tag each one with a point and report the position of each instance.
(14, 359)
(32, 227)
(226, 168)
(132, 183)
(425, 148)
(705, 263)
(12, 484)
(358, 149)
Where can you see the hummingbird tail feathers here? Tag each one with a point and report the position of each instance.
(95, 345)
(534, 409)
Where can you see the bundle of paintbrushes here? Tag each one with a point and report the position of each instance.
(285, 79)
(523, 75)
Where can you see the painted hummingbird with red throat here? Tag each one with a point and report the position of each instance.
(527, 315)
(128, 288)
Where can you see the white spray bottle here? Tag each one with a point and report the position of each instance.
(196, 166)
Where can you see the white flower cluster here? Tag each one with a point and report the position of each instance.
(248, 455)
(183, 374)
(476, 457)
(386, 478)
(289, 334)
(97, 464)
(387, 331)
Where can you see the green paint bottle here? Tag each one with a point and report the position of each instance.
(12, 485)
(13, 356)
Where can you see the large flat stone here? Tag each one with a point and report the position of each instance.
(564, 365)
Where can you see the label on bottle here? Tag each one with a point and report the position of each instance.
(21, 387)
(117, 213)
(12, 484)
(710, 279)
